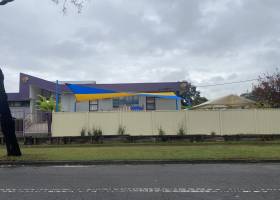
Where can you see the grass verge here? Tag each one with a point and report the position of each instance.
(146, 153)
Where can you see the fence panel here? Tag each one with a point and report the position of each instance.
(137, 123)
(203, 122)
(169, 121)
(238, 122)
(68, 124)
(268, 121)
(107, 121)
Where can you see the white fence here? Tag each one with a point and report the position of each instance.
(222, 122)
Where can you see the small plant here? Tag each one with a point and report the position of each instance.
(161, 132)
(121, 130)
(181, 129)
(83, 131)
(89, 133)
(213, 133)
(97, 132)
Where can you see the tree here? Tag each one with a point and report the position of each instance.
(249, 95)
(49, 107)
(3, 2)
(77, 3)
(189, 94)
(199, 100)
(7, 122)
(268, 89)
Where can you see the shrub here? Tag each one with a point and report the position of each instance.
(181, 129)
(161, 132)
(97, 132)
(83, 131)
(213, 133)
(89, 133)
(121, 130)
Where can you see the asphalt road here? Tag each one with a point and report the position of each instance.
(198, 181)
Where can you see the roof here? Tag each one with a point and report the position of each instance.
(229, 101)
(24, 88)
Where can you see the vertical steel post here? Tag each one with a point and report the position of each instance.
(189, 104)
(176, 100)
(56, 96)
(75, 106)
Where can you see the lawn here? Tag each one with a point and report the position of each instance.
(252, 152)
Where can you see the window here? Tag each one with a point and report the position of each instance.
(16, 103)
(121, 102)
(25, 104)
(151, 103)
(48, 94)
(19, 103)
(93, 105)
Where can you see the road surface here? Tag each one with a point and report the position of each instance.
(188, 181)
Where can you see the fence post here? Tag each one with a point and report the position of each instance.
(221, 127)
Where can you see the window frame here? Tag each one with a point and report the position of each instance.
(150, 103)
(93, 104)
(51, 94)
(20, 104)
(128, 102)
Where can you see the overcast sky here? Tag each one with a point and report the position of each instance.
(130, 41)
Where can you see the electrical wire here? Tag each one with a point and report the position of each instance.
(196, 86)
(227, 83)
(11, 82)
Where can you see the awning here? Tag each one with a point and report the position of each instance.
(87, 93)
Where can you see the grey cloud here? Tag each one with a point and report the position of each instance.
(205, 42)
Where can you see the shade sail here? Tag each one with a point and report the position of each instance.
(83, 93)
(229, 101)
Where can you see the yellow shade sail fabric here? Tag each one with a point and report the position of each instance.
(87, 93)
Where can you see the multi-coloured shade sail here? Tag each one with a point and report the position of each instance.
(87, 93)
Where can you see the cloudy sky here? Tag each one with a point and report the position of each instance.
(129, 41)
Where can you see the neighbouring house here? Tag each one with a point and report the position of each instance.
(30, 87)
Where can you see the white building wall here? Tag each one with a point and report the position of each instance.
(166, 104)
(104, 104)
(82, 106)
(33, 95)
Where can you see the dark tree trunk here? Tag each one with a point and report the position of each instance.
(7, 122)
(49, 121)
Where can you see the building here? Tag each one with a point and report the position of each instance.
(30, 87)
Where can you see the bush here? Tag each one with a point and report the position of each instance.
(181, 129)
(97, 132)
(161, 132)
(89, 133)
(213, 133)
(83, 131)
(121, 130)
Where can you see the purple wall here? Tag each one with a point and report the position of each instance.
(124, 87)
(13, 97)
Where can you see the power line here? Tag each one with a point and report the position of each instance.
(11, 82)
(196, 86)
(228, 83)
